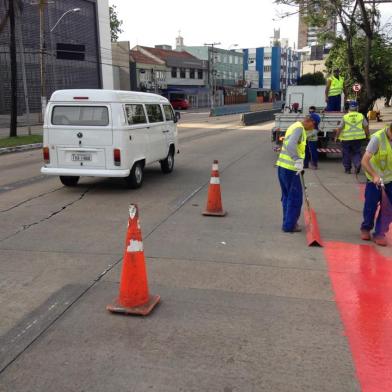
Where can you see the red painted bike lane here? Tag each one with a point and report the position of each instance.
(362, 282)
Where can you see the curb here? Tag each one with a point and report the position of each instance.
(25, 147)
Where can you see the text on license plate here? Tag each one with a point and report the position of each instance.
(81, 157)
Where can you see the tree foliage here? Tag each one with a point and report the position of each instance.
(312, 79)
(362, 46)
(115, 23)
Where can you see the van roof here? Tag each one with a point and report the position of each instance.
(95, 95)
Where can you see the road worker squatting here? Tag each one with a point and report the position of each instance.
(377, 164)
(290, 164)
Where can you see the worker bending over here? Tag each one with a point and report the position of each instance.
(311, 153)
(377, 164)
(353, 130)
(333, 91)
(290, 163)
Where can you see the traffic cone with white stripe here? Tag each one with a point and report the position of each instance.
(214, 200)
(134, 297)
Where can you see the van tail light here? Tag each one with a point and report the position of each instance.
(117, 157)
(46, 154)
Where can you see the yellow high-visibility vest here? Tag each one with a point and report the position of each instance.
(353, 127)
(336, 87)
(284, 159)
(381, 162)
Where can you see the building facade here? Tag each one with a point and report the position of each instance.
(77, 51)
(271, 68)
(171, 73)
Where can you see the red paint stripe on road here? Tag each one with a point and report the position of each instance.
(362, 282)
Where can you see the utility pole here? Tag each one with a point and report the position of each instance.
(14, 81)
(211, 62)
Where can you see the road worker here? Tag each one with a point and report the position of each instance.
(353, 129)
(311, 154)
(333, 92)
(291, 163)
(377, 164)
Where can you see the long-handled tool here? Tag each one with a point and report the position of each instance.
(312, 230)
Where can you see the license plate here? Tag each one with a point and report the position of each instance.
(81, 157)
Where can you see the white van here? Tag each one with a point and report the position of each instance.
(105, 133)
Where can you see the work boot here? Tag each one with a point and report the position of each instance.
(347, 171)
(296, 229)
(380, 241)
(365, 235)
(358, 170)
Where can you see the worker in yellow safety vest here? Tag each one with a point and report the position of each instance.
(333, 91)
(353, 129)
(377, 164)
(290, 163)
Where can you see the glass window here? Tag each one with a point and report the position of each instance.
(168, 112)
(235, 60)
(200, 74)
(182, 73)
(80, 115)
(154, 113)
(174, 72)
(135, 114)
(192, 73)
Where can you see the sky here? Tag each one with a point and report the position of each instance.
(247, 23)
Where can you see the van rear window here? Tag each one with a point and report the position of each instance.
(89, 116)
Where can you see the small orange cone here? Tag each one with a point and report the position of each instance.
(214, 200)
(134, 297)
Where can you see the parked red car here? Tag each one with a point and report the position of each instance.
(179, 103)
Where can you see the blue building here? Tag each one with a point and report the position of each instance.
(271, 68)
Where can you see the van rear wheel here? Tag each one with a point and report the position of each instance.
(167, 165)
(136, 176)
(69, 180)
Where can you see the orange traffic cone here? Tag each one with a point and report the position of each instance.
(214, 200)
(134, 297)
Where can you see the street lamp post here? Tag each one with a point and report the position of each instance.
(42, 4)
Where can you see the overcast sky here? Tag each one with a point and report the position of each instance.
(248, 23)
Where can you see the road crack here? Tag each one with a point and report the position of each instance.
(61, 209)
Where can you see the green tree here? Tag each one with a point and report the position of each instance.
(312, 79)
(115, 23)
(357, 19)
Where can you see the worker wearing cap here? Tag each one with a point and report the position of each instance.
(290, 163)
(377, 164)
(353, 129)
(311, 154)
(333, 91)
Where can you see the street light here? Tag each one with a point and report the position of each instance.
(62, 16)
(42, 4)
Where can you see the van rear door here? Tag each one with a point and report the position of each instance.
(80, 134)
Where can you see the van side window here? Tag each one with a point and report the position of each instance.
(135, 114)
(154, 113)
(168, 112)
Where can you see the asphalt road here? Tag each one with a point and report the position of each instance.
(244, 307)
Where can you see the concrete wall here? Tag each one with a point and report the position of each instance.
(121, 71)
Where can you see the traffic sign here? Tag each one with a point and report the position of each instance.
(357, 87)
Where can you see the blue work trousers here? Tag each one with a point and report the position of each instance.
(311, 154)
(373, 196)
(290, 184)
(334, 103)
(351, 153)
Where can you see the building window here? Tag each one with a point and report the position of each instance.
(192, 73)
(174, 72)
(182, 73)
(267, 68)
(230, 59)
(235, 60)
(241, 60)
(200, 74)
(218, 58)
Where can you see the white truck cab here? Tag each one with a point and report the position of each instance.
(107, 133)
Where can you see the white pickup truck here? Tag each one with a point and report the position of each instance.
(306, 96)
